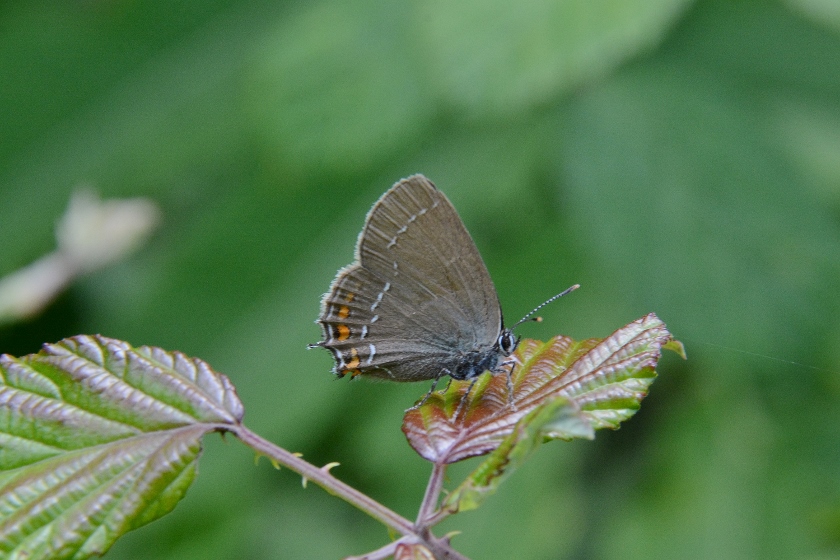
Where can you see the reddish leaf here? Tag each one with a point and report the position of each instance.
(606, 379)
(557, 415)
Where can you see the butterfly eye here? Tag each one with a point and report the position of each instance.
(507, 342)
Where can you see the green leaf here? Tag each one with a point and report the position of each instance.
(98, 438)
(606, 379)
(556, 418)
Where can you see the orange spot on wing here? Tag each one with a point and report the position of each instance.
(343, 312)
(354, 363)
(352, 367)
(343, 332)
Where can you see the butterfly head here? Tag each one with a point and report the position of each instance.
(507, 342)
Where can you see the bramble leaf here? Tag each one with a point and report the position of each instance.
(606, 379)
(558, 417)
(98, 438)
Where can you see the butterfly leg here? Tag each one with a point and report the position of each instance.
(510, 387)
(443, 372)
(464, 399)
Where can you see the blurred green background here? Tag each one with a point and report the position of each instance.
(670, 156)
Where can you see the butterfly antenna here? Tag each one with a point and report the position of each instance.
(543, 304)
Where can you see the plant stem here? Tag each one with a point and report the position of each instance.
(386, 551)
(419, 533)
(430, 499)
(325, 480)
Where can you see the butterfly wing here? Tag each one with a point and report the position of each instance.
(418, 295)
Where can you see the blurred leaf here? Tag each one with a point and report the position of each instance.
(505, 56)
(554, 418)
(334, 90)
(91, 234)
(606, 379)
(810, 133)
(823, 11)
(699, 132)
(98, 438)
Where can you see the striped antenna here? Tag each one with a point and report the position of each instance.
(543, 304)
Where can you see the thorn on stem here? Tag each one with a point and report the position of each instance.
(329, 466)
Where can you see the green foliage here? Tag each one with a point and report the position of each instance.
(688, 165)
(98, 438)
